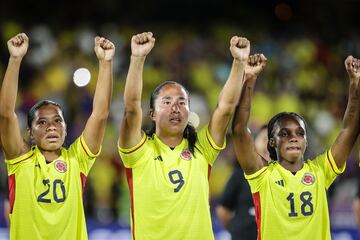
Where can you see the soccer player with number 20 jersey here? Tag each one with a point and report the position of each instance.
(46, 180)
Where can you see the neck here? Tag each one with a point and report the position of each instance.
(171, 141)
(50, 155)
(292, 166)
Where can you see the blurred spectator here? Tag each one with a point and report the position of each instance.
(235, 208)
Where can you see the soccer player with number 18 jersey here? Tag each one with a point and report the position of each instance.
(289, 192)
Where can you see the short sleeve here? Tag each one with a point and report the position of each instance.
(208, 146)
(83, 154)
(133, 156)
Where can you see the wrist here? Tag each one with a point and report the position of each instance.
(354, 79)
(138, 59)
(239, 61)
(105, 61)
(138, 56)
(250, 78)
(15, 59)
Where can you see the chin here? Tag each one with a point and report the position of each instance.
(294, 159)
(50, 146)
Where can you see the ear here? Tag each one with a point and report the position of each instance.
(30, 133)
(152, 114)
(65, 130)
(272, 142)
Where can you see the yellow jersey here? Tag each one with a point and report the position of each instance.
(169, 188)
(294, 206)
(46, 198)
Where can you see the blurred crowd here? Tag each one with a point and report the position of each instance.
(305, 74)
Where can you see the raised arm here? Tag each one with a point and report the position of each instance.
(247, 156)
(350, 128)
(96, 124)
(13, 143)
(229, 96)
(130, 128)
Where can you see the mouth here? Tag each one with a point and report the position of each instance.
(293, 149)
(52, 137)
(175, 120)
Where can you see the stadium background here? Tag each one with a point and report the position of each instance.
(305, 42)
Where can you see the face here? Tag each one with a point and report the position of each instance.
(289, 139)
(171, 111)
(48, 129)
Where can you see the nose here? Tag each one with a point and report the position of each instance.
(175, 107)
(293, 138)
(51, 127)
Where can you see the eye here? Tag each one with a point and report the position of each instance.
(41, 122)
(283, 134)
(58, 120)
(301, 134)
(183, 103)
(167, 102)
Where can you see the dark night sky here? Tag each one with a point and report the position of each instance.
(330, 18)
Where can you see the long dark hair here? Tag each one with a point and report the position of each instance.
(275, 119)
(189, 132)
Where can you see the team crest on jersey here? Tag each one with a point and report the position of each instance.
(186, 155)
(60, 166)
(308, 179)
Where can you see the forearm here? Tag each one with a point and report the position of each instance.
(9, 87)
(130, 128)
(351, 116)
(230, 94)
(103, 92)
(134, 83)
(242, 115)
(350, 129)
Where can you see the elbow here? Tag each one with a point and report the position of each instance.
(240, 131)
(227, 109)
(6, 115)
(6, 111)
(101, 115)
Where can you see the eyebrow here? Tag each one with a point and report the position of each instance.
(53, 116)
(288, 129)
(169, 97)
(166, 98)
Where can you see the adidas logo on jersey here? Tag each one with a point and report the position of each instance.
(280, 182)
(159, 158)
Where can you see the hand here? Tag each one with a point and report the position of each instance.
(18, 45)
(352, 66)
(141, 44)
(240, 48)
(256, 63)
(104, 49)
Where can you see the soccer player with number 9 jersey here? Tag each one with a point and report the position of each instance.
(46, 180)
(289, 192)
(168, 167)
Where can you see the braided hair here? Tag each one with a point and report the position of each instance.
(273, 121)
